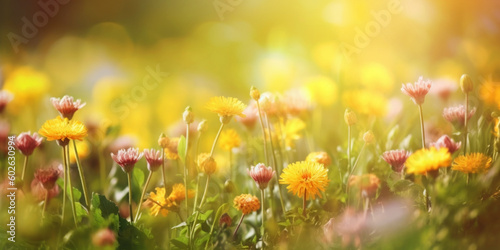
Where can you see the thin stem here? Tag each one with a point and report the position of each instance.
(263, 133)
(348, 149)
(422, 131)
(304, 203)
(238, 227)
(45, 203)
(143, 193)
(263, 213)
(365, 207)
(66, 162)
(216, 139)
(82, 177)
(275, 165)
(204, 192)
(186, 170)
(65, 186)
(197, 174)
(465, 123)
(198, 210)
(231, 172)
(357, 160)
(102, 171)
(24, 167)
(129, 177)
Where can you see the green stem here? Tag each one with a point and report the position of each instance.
(24, 167)
(66, 160)
(275, 165)
(163, 170)
(304, 203)
(143, 193)
(45, 203)
(465, 123)
(198, 210)
(263, 228)
(348, 149)
(102, 171)
(422, 131)
(263, 134)
(129, 177)
(82, 177)
(238, 227)
(65, 186)
(204, 192)
(186, 170)
(197, 174)
(216, 139)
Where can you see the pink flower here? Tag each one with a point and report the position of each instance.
(261, 175)
(456, 115)
(47, 177)
(127, 158)
(27, 143)
(446, 142)
(39, 191)
(328, 230)
(5, 98)
(396, 158)
(251, 116)
(104, 237)
(417, 91)
(443, 88)
(154, 159)
(66, 106)
(350, 227)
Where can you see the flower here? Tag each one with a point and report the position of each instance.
(466, 83)
(351, 226)
(188, 116)
(47, 177)
(428, 159)
(207, 164)
(163, 141)
(171, 150)
(448, 143)
(104, 237)
(28, 86)
(443, 88)
(127, 158)
(472, 163)
(417, 91)
(226, 107)
(202, 126)
(246, 203)
(296, 103)
(158, 201)
(271, 104)
(319, 157)
(490, 93)
(154, 159)
(39, 191)
(178, 194)
(229, 139)
(350, 117)
(261, 175)
(225, 220)
(254, 93)
(63, 130)
(66, 106)
(305, 178)
(396, 158)
(367, 184)
(456, 115)
(293, 131)
(251, 116)
(83, 151)
(368, 137)
(27, 143)
(365, 102)
(5, 98)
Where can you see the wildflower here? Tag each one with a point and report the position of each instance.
(396, 158)
(104, 237)
(229, 139)
(158, 201)
(27, 143)
(188, 115)
(472, 163)
(27, 85)
(350, 117)
(490, 93)
(154, 159)
(322, 90)
(443, 88)
(225, 220)
(82, 149)
(63, 130)
(319, 157)
(368, 137)
(448, 143)
(254, 93)
(207, 163)
(127, 158)
(261, 175)
(40, 193)
(466, 83)
(66, 106)
(178, 194)
(171, 150)
(202, 126)
(367, 184)
(271, 104)
(293, 130)
(296, 103)
(456, 115)
(246, 203)
(47, 177)
(417, 91)
(365, 102)
(305, 178)
(427, 160)
(226, 107)
(251, 116)
(5, 98)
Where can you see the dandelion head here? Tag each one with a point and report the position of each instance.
(305, 178)
(226, 107)
(158, 202)
(428, 160)
(207, 164)
(472, 163)
(63, 130)
(319, 157)
(229, 139)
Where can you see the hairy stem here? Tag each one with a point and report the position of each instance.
(82, 177)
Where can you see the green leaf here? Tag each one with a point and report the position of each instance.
(183, 224)
(204, 216)
(181, 149)
(180, 242)
(76, 193)
(213, 198)
(80, 211)
(138, 177)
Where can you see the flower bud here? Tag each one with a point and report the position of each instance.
(188, 115)
(163, 141)
(229, 186)
(202, 126)
(368, 137)
(350, 117)
(466, 83)
(225, 220)
(254, 93)
(207, 164)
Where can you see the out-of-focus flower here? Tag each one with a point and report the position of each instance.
(369, 137)
(296, 103)
(472, 163)
(27, 85)
(27, 143)
(5, 98)
(171, 150)
(448, 143)
(443, 88)
(66, 106)
(122, 142)
(319, 157)
(163, 141)
(350, 117)
(321, 90)
(154, 159)
(188, 115)
(63, 130)
(328, 230)
(496, 128)
(417, 91)
(261, 175)
(251, 116)
(104, 237)
(229, 139)
(246, 203)
(225, 220)
(456, 115)
(466, 83)
(350, 227)
(83, 151)
(365, 102)
(178, 194)
(396, 158)
(4, 133)
(293, 130)
(305, 178)
(158, 202)
(207, 164)
(367, 184)
(47, 177)
(202, 126)
(428, 160)
(39, 192)
(127, 158)
(271, 104)
(254, 93)
(226, 107)
(490, 93)
(375, 76)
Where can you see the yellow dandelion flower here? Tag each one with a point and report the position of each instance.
(159, 203)
(365, 102)
(428, 159)
(319, 157)
(246, 203)
(229, 139)
(27, 85)
(293, 130)
(305, 178)
(490, 93)
(322, 90)
(179, 193)
(472, 163)
(63, 129)
(226, 107)
(83, 151)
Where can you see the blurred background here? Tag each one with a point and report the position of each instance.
(140, 63)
